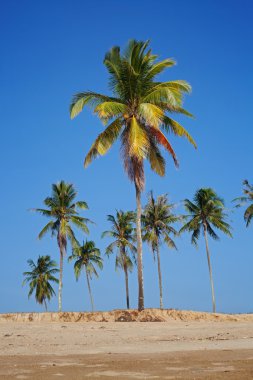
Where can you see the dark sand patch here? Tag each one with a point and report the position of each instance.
(213, 365)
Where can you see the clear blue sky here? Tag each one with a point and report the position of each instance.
(53, 49)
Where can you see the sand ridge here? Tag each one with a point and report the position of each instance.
(147, 315)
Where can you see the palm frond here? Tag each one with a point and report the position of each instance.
(248, 215)
(138, 140)
(91, 98)
(171, 125)
(104, 141)
(159, 67)
(162, 140)
(49, 227)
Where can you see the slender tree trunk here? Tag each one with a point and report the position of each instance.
(62, 251)
(123, 258)
(126, 282)
(139, 250)
(88, 283)
(60, 281)
(45, 304)
(210, 270)
(159, 275)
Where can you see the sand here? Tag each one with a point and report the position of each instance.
(185, 345)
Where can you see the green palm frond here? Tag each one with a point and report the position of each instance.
(108, 110)
(152, 114)
(177, 129)
(49, 227)
(90, 98)
(104, 141)
(170, 243)
(111, 247)
(82, 205)
(156, 160)
(81, 223)
(138, 140)
(159, 67)
(248, 215)
(247, 198)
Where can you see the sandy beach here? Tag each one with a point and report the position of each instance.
(185, 345)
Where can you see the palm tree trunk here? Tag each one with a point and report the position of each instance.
(88, 283)
(45, 304)
(210, 270)
(159, 276)
(126, 282)
(139, 250)
(62, 251)
(60, 281)
(123, 258)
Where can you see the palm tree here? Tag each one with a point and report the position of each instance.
(157, 219)
(122, 232)
(63, 211)
(136, 114)
(87, 257)
(206, 212)
(248, 198)
(40, 277)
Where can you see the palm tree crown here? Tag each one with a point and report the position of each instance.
(63, 210)
(87, 257)
(122, 233)
(247, 198)
(137, 110)
(157, 222)
(39, 278)
(205, 212)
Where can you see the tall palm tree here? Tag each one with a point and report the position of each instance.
(122, 232)
(137, 114)
(157, 223)
(204, 213)
(87, 257)
(248, 198)
(42, 273)
(63, 210)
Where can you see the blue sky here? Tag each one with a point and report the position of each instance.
(52, 49)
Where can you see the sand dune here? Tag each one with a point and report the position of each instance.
(147, 315)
